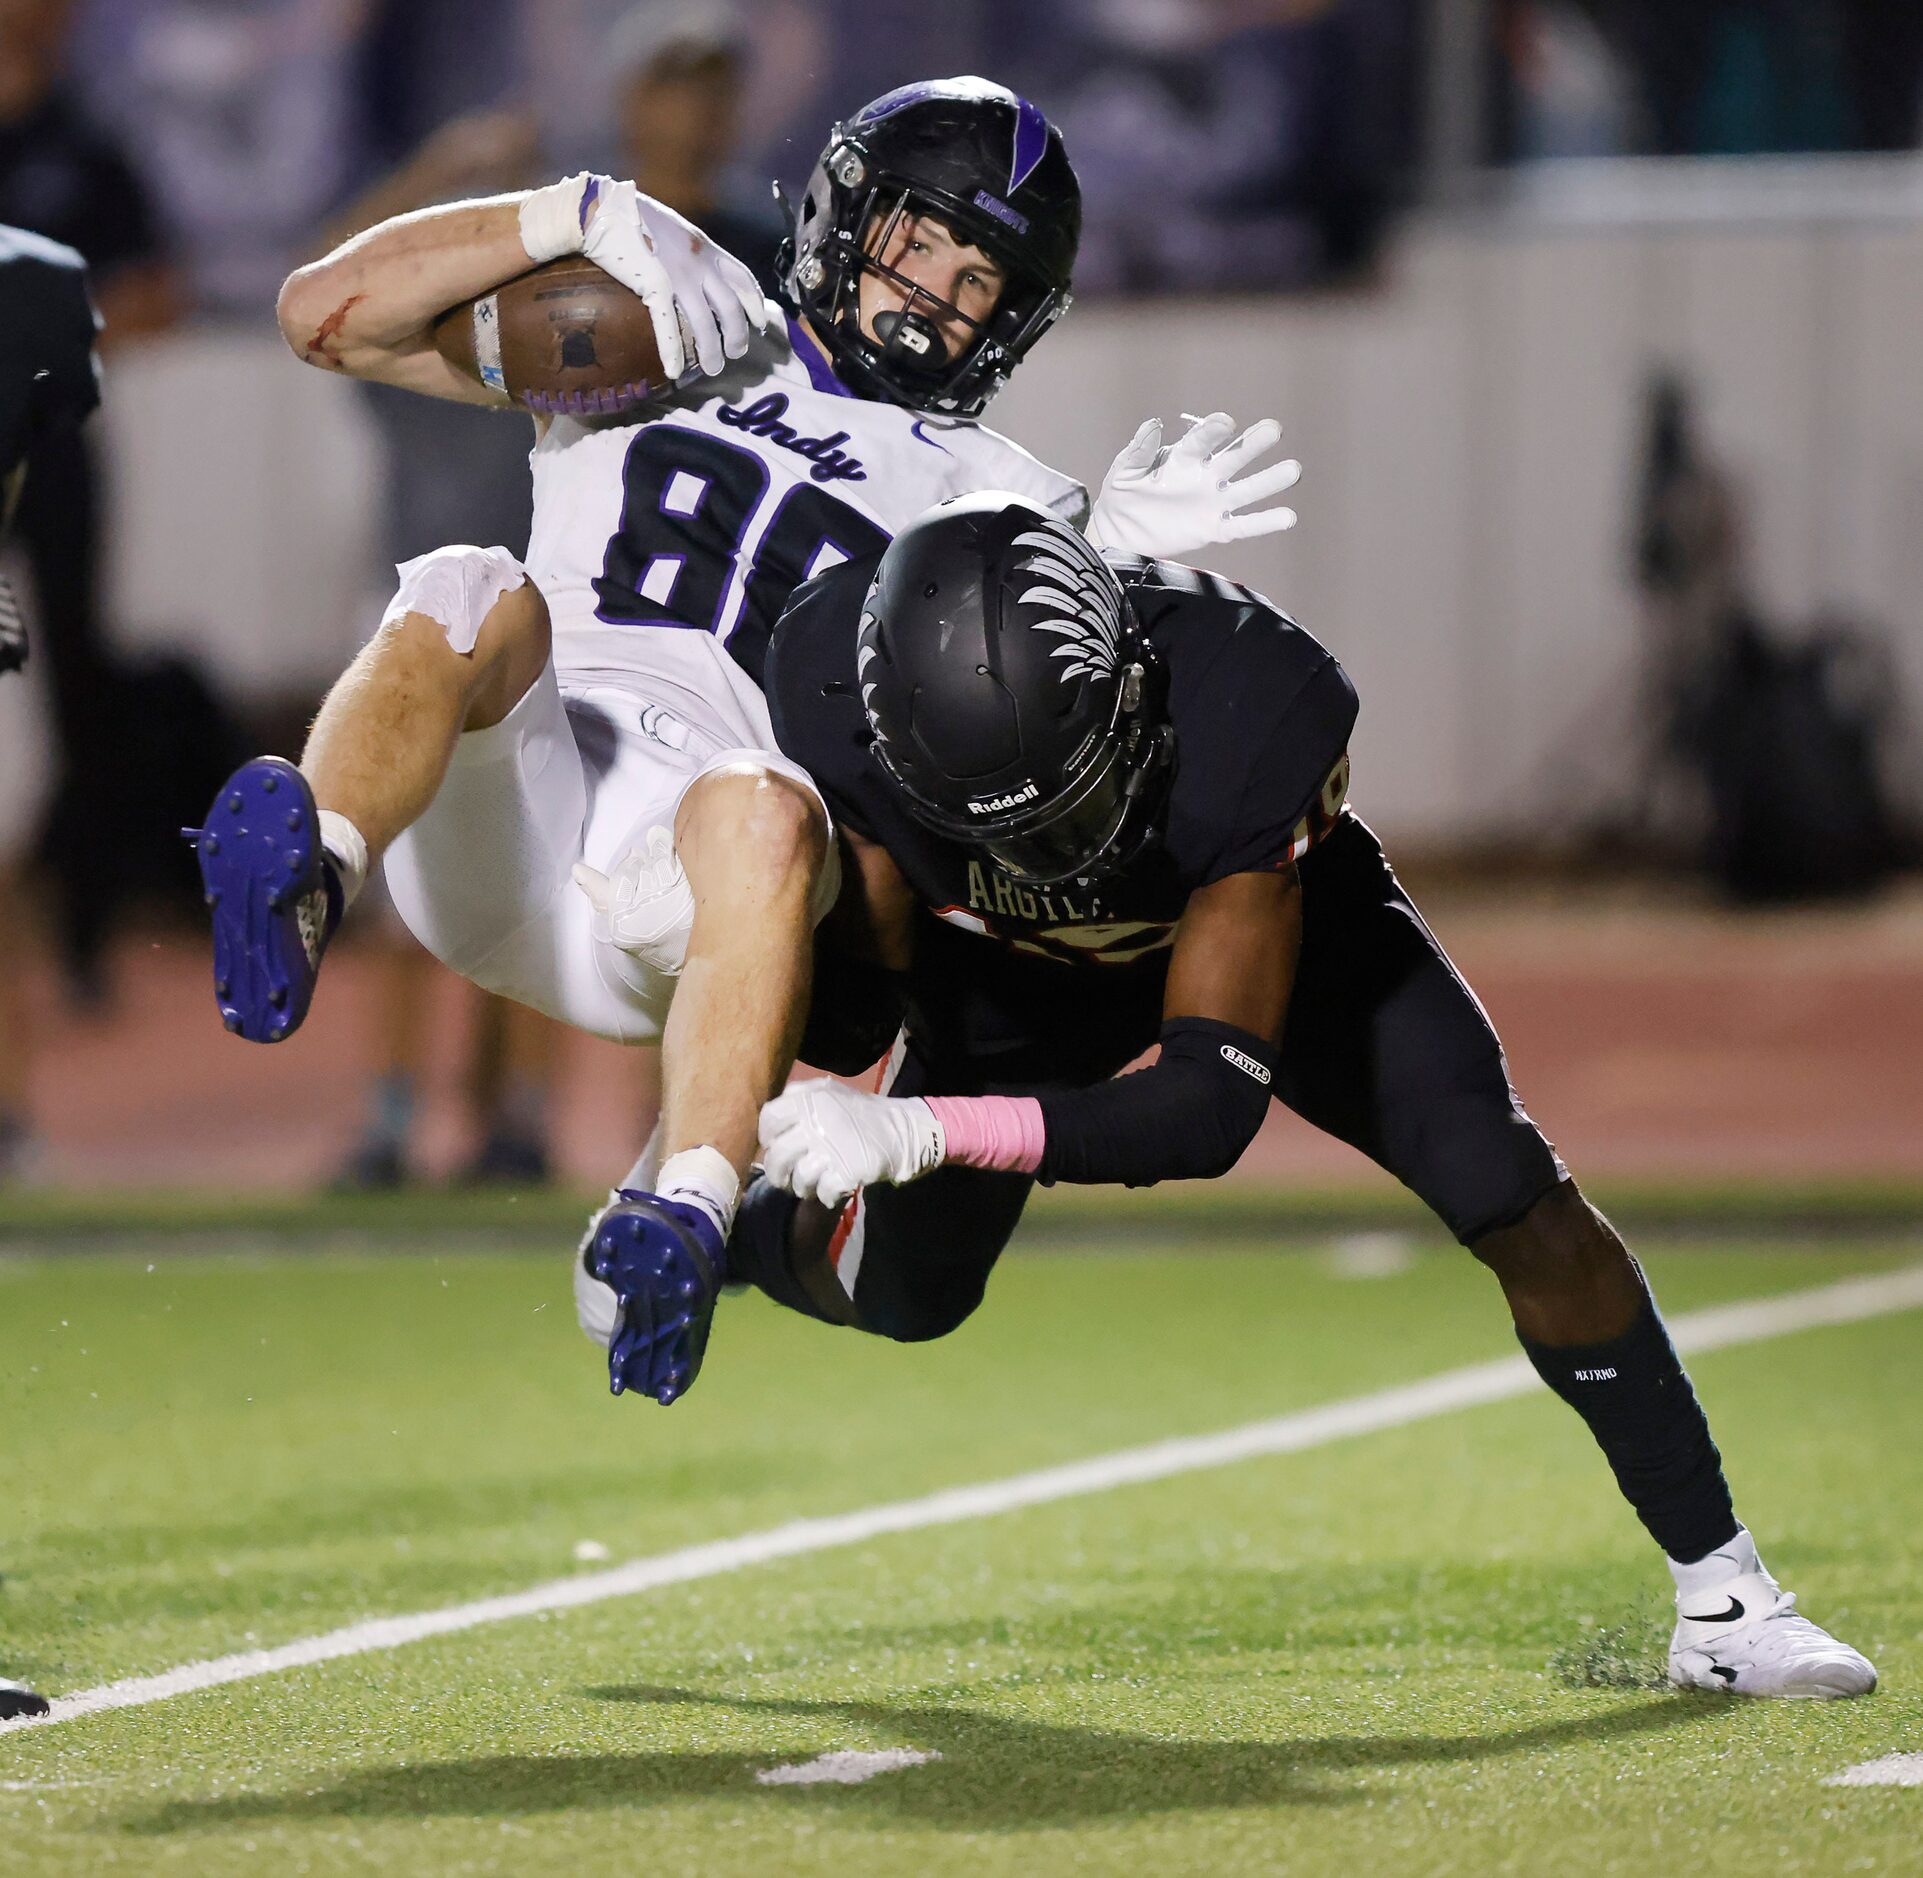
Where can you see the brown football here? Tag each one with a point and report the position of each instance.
(562, 339)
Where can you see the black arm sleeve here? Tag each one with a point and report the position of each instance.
(1187, 1117)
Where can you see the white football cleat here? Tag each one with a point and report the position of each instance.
(1741, 1635)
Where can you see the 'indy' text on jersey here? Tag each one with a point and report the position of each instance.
(702, 515)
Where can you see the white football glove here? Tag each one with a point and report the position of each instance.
(1169, 500)
(694, 291)
(645, 907)
(822, 1140)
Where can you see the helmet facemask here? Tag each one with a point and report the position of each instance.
(906, 356)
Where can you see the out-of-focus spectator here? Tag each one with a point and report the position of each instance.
(1572, 96)
(246, 115)
(63, 176)
(1225, 145)
(679, 67)
(48, 387)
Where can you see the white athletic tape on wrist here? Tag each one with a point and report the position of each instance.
(702, 1177)
(554, 220)
(346, 847)
(456, 588)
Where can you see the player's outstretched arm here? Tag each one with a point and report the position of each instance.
(1190, 1115)
(368, 308)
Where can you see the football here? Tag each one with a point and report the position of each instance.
(562, 339)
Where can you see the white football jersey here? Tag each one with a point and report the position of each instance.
(659, 542)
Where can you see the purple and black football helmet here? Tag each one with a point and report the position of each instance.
(988, 166)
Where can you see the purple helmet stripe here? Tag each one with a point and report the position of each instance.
(1031, 143)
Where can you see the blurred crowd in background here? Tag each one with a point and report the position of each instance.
(194, 151)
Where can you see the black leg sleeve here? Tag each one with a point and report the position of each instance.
(1637, 1399)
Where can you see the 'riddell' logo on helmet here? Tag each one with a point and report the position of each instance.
(993, 805)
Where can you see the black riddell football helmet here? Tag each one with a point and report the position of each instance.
(1011, 694)
(991, 169)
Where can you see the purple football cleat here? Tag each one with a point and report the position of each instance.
(664, 1262)
(273, 898)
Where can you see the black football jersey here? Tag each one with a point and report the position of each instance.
(1262, 715)
(47, 329)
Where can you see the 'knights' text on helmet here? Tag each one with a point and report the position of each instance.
(1011, 694)
(992, 170)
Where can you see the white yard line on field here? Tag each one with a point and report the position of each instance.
(845, 1767)
(1846, 1303)
(1893, 1770)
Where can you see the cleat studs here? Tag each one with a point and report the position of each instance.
(270, 782)
(220, 987)
(290, 858)
(236, 802)
(231, 1019)
(293, 819)
(211, 898)
(278, 997)
(210, 844)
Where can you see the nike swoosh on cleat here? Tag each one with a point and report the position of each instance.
(1716, 1617)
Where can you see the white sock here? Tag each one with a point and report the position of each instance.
(702, 1177)
(1737, 1559)
(346, 847)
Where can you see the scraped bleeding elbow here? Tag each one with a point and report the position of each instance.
(313, 316)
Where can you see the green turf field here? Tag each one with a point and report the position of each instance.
(1420, 1651)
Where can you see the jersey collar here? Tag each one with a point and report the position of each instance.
(807, 348)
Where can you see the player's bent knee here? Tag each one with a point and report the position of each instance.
(748, 811)
(491, 615)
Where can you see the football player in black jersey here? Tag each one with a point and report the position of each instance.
(47, 379)
(47, 385)
(1090, 803)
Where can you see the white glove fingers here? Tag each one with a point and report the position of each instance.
(739, 280)
(1258, 440)
(710, 352)
(1246, 526)
(595, 885)
(778, 1161)
(1258, 485)
(730, 316)
(1141, 450)
(1205, 436)
(667, 332)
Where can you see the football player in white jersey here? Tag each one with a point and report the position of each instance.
(568, 765)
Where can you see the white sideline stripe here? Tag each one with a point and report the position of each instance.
(1846, 1303)
(1893, 1770)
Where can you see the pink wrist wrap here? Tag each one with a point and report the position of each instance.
(1000, 1132)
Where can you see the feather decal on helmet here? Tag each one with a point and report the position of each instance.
(1083, 597)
